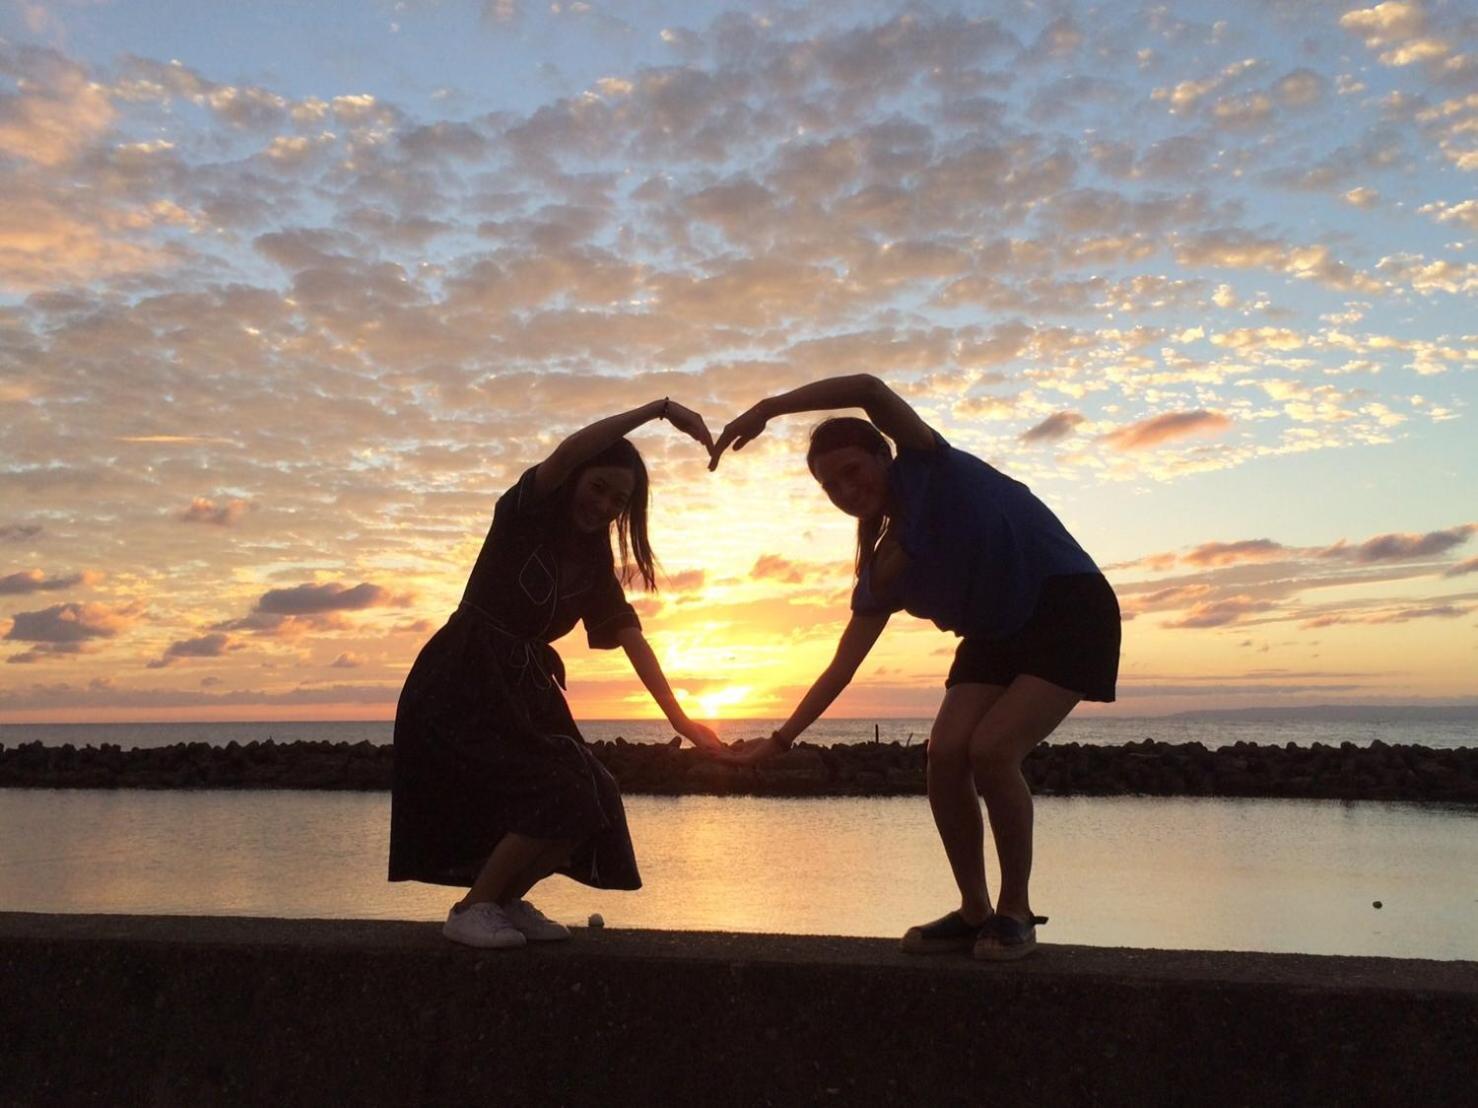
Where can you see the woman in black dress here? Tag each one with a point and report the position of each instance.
(494, 787)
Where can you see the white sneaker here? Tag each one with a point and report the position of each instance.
(534, 924)
(482, 925)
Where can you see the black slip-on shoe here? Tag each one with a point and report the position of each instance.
(1004, 938)
(952, 932)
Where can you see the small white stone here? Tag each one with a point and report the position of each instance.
(597, 920)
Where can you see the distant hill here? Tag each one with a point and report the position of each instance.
(1343, 713)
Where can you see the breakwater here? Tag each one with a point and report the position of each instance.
(175, 1010)
(1346, 772)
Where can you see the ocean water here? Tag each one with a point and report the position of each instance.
(1187, 873)
(1192, 873)
(825, 732)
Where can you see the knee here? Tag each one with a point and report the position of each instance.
(992, 760)
(949, 752)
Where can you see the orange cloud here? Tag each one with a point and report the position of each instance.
(1229, 553)
(1219, 613)
(1166, 428)
(202, 510)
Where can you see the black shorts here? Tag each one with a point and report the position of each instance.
(1070, 639)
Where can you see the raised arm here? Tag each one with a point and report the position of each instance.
(589, 441)
(889, 411)
(644, 661)
(857, 640)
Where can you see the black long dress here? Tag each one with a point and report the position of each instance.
(484, 740)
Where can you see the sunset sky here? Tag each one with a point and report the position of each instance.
(290, 293)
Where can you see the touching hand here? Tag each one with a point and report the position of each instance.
(748, 752)
(701, 736)
(739, 432)
(689, 423)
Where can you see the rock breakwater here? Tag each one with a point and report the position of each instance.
(1346, 772)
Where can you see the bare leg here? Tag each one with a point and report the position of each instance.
(1027, 713)
(513, 857)
(952, 796)
(556, 856)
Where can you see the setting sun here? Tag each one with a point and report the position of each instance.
(719, 703)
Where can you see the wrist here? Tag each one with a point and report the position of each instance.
(662, 406)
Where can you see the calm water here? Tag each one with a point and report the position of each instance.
(1187, 873)
(1102, 732)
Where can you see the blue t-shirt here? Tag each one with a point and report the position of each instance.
(979, 545)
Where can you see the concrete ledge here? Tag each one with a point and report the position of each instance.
(175, 1010)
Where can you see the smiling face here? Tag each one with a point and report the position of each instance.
(601, 494)
(854, 479)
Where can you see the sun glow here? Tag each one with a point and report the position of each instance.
(718, 703)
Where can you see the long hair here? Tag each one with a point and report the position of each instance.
(631, 524)
(835, 433)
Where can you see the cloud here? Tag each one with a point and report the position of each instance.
(1464, 213)
(19, 532)
(303, 600)
(33, 580)
(347, 660)
(1402, 33)
(1428, 277)
(500, 11)
(66, 629)
(1401, 546)
(291, 612)
(214, 645)
(1396, 615)
(1238, 249)
(58, 111)
(70, 696)
(1231, 553)
(689, 580)
(775, 568)
(50, 239)
(1464, 567)
(1219, 613)
(1054, 428)
(1167, 428)
(202, 510)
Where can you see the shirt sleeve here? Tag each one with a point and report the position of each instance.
(608, 613)
(522, 499)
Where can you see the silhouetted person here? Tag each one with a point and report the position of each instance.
(946, 537)
(494, 787)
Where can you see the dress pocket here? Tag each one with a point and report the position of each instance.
(536, 579)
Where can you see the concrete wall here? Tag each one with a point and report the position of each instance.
(157, 1010)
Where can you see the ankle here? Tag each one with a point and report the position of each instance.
(975, 913)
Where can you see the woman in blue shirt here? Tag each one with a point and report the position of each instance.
(946, 537)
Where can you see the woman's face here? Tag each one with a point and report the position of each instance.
(601, 494)
(854, 479)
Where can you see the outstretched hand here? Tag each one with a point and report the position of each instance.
(690, 423)
(738, 432)
(703, 737)
(751, 751)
